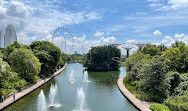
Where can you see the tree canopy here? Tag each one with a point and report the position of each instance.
(25, 63)
(103, 58)
(49, 55)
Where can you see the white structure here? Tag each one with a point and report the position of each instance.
(1, 39)
(10, 36)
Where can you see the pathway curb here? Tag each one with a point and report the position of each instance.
(142, 106)
(8, 101)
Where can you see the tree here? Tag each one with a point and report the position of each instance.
(46, 63)
(12, 47)
(178, 56)
(154, 49)
(154, 79)
(174, 82)
(134, 59)
(9, 79)
(25, 63)
(103, 58)
(51, 50)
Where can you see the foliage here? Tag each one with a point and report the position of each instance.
(25, 63)
(179, 103)
(12, 47)
(134, 59)
(182, 89)
(103, 58)
(178, 57)
(26, 46)
(158, 107)
(46, 61)
(174, 79)
(51, 50)
(36, 78)
(9, 79)
(154, 49)
(65, 57)
(77, 57)
(154, 83)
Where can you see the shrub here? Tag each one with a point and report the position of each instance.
(158, 107)
(174, 81)
(154, 83)
(179, 103)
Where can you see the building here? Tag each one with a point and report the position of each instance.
(1, 39)
(10, 36)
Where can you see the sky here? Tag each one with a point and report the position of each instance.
(89, 23)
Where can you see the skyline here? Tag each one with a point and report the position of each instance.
(98, 22)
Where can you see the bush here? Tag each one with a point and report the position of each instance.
(174, 81)
(154, 83)
(179, 103)
(158, 107)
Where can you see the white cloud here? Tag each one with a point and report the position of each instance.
(38, 19)
(81, 44)
(132, 41)
(167, 41)
(182, 37)
(157, 33)
(168, 5)
(17, 9)
(99, 34)
(108, 40)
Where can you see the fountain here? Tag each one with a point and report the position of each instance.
(80, 100)
(85, 76)
(54, 97)
(41, 102)
(71, 77)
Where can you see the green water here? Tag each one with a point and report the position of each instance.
(99, 96)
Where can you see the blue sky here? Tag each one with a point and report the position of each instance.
(96, 22)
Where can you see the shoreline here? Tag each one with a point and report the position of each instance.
(140, 105)
(8, 101)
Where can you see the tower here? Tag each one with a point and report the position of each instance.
(128, 49)
(1, 39)
(10, 36)
(140, 46)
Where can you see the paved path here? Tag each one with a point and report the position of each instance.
(143, 106)
(8, 101)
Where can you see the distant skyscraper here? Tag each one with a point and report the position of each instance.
(1, 39)
(10, 36)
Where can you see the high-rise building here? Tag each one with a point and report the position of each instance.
(1, 39)
(10, 36)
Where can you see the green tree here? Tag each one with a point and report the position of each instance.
(103, 58)
(46, 62)
(134, 59)
(25, 63)
(12, 47)
(50, 49)
(178, 56)
(9, 79)
(154, 49)
(154, 79)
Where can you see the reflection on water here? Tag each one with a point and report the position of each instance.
(98, 95)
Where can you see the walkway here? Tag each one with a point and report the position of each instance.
(143, 106)
(8, 101)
